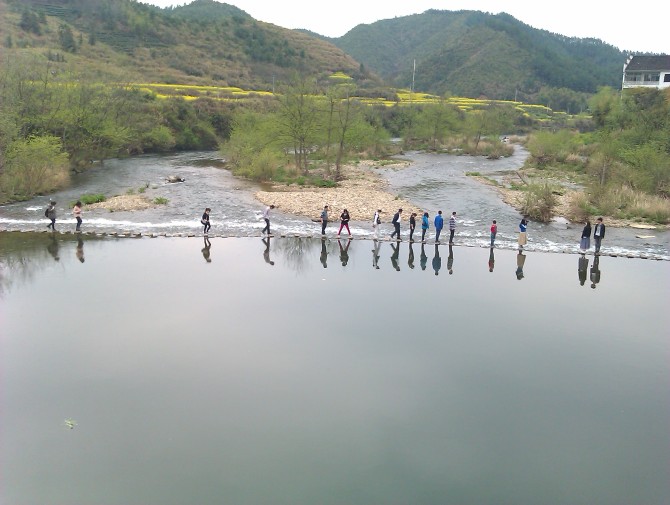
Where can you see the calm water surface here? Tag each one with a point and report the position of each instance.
(300, 373)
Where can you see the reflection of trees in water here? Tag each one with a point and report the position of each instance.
(24, 255)
(21, 258)
(298, 253)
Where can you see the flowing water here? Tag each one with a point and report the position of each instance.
(433, 181)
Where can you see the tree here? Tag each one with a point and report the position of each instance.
(30, 22)
(492, 121)
(33, 165)
(435, 122)
(298, 119)
(66, 39)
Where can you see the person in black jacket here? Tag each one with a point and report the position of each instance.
(396, 225)
(598, 233)
(205, 221)
(585, 242)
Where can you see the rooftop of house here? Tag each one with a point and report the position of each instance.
(649, 63)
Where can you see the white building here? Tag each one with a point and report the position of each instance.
(646, 72)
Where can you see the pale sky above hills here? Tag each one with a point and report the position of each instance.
(632, 27)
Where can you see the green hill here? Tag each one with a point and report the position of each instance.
(205, 42)
(475, 54)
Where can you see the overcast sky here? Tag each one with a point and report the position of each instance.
(632, 27)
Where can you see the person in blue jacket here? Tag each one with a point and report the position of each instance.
(424, 226)
(439, 224)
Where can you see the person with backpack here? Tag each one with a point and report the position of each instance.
(396, 225)
(50, 213)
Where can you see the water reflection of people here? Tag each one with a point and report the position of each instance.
(395, 256)
(410, 257)
(492, 260)
(520, 261)
(375, 255)
(266, 252)
(582, 268)
(437, 261)
(450, 259)
(423, 259)
(205, 250)
(595, 272)
(79, 252)
(324, 254)
(53, 247)
(344, 252)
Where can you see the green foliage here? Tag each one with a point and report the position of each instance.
(91, 120)
(30, 22)
(626, 160)
(538, 202)
(66, 39)
(92, 198)
(32, 165)
(89, 199)
(197, 43)
(190, 131)
(475, 54)
(548, 148)
(160, 200)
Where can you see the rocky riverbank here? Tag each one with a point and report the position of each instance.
(362, 191)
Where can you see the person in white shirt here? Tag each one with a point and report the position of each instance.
(266, 216)
(376, 221)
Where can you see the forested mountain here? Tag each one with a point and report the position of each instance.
(475, 54)
(205, 42)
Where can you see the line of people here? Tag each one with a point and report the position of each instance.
(438, 223)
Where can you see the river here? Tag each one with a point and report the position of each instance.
(432, 181)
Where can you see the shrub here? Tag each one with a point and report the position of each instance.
(32, 166)
(626, 203)
(160, 200)
(538, 202)
(89, 199)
